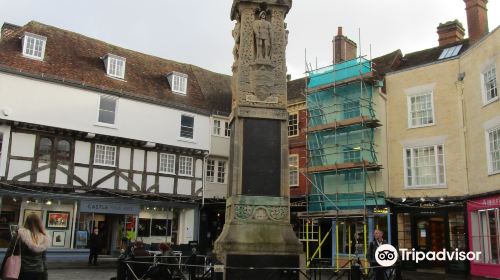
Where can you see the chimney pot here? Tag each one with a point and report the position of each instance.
(477, 19)
(450, 32)
(343, 48)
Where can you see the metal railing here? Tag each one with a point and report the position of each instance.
(182, 268)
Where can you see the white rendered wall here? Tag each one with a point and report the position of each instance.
(77, 109)
(186, 226)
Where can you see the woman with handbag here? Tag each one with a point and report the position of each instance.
(27, 252)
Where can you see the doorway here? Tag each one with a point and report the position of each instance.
(430, 237)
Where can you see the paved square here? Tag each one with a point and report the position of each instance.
(82, 274)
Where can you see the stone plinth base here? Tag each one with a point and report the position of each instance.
(267, 246)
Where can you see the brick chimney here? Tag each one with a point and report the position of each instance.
(450, 32)
(8, 29)
(477, 19)
(343, 48)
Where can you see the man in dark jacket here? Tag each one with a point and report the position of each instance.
(95, 246)
(377, 241)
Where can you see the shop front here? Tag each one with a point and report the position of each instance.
(431, 227)
(116, 220)
(484, 228)
(58, 216)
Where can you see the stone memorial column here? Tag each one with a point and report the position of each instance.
(257, 232)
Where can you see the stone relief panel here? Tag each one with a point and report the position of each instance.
(261, 213)
(259, 71)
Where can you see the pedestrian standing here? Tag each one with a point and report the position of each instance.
(377, 241)
(31, 242)
(95, 246)
(192, 264)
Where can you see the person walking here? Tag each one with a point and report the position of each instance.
(31, 242)
(95, 246)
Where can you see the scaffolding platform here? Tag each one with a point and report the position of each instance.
(332, 214)
(366, 77)
(367, 121)
(369, 166)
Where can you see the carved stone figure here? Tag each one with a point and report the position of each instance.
(236, 35)
(263, 37)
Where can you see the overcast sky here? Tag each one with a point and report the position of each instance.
(199, 31)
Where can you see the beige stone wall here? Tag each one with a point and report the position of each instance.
(381, 180)
(480, 117)
(441, 78)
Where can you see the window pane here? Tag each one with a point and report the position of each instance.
(63, 151)
(227, 129)
(107, 103)
(186, 166)
(421, 110)
(293, 125)
(490, 84)
(106, 117)
(494, 139)
(293, 161)
(492, 220)
(45, 150)
(210, 170)
(425, 166)
(116, 67)
(187, 124)
(221, 172)
(107, 109)
(485, 240)
(104, 155)
(216, 130)
(167, 163)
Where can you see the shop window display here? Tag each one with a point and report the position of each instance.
(9, 219)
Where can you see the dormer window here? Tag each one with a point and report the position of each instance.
(178, 82)
(115, 66)
(34, 46)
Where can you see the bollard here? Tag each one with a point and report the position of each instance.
(355, 273)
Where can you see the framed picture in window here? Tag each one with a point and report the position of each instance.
(144, 229)
(57, 220)
(81, 238)
(13, 229)
(28, 212)
(58, 238)
(160, 227)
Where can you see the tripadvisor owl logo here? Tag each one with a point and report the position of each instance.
(386, 255)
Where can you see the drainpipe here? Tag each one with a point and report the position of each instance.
(463, 109)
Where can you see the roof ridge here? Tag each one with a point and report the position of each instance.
(34, 23)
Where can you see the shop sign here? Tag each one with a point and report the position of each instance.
(427, 205)
(492, 201)
(105, 207)
(380, 211)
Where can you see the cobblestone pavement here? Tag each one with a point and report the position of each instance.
(82, 274)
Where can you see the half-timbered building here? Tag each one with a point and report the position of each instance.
(94, 135)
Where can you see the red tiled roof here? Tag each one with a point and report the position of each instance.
(73, 57)
(430, 55)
